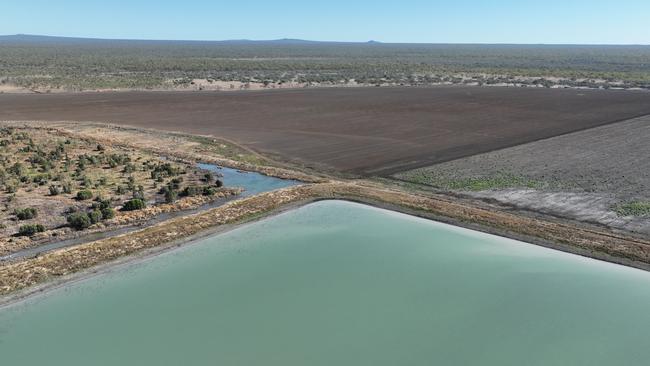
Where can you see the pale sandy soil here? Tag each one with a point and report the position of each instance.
(195, 85)
(9, 88)
(219, 85)
(584, 207)
(581, 176)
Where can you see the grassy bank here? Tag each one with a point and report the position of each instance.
(600, 245)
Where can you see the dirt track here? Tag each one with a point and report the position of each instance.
(372, 131)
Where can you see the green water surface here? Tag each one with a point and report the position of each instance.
(338, 283)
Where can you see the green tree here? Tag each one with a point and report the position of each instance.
(134, 204)
(84, 195)
(26, 213)
(95, 216)
(107, 213)
(79, 220)
(30, 229)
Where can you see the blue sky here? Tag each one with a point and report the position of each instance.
(459, 21)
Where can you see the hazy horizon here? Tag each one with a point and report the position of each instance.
(596, 22)
(298, 40)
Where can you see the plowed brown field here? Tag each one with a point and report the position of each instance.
(368, 131)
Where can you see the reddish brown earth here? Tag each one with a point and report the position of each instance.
(358, 130)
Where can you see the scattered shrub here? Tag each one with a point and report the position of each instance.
(134, 204)
(107, 213)
(176, 183)
(79, 220)
(209, 191)
(17, 169)
(41, 179)
(191, 191)
(54, 190)
(101, 203)
(26, 213)
(95, 216)
(30, 229)
(170, 195)
(84, 195)
(131, 183)
(165, 169)
(11, 188)
(129, 168)
(67, 187)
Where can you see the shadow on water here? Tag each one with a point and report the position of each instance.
(253, 183)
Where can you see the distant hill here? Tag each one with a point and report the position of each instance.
(36, 39)
(40, 39)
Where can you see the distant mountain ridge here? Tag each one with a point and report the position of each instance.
(41, 39)
(34, 38)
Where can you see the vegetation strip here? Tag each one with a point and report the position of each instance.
(602, 245)
(60, 185)
(182, 147)
(95, 64)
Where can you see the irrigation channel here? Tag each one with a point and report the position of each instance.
(340, 283)
(252, 183)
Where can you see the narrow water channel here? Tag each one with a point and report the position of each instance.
(252, 183)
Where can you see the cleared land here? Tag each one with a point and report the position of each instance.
(368, 131)
(597, 175)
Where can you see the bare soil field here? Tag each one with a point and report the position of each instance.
(366, 131)
(598, 175)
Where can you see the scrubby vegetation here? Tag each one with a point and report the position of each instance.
(84, 194)
(134, 204)
(100, 210)
(498, 181)
(30, 229)
(79, 220)
(93, 64)
(634, 208)
(26, 213)
(58, 181)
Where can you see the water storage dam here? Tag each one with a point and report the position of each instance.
(335, 282)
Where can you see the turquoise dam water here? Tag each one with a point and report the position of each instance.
(339, 283)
